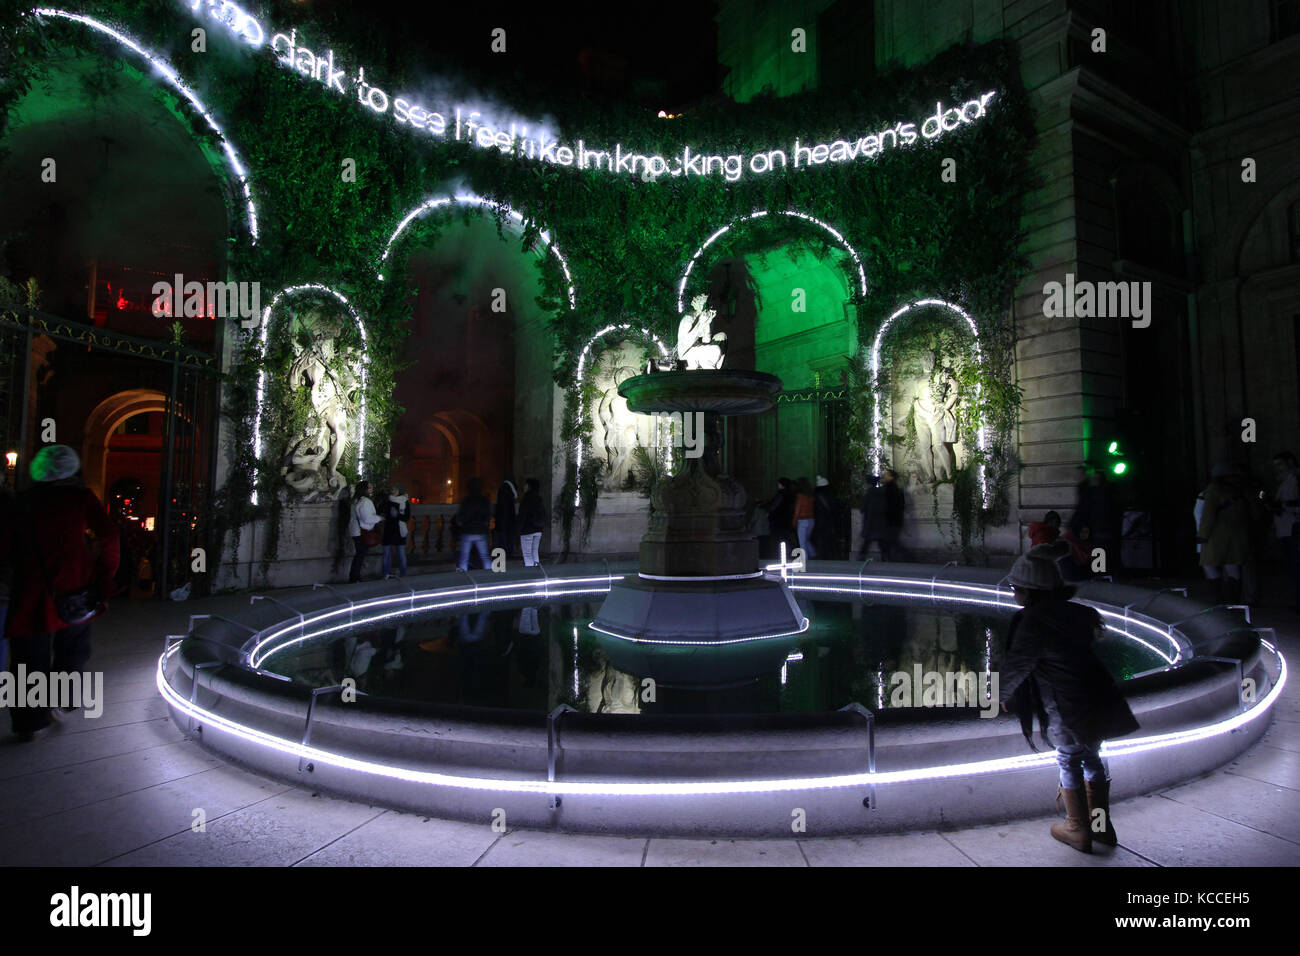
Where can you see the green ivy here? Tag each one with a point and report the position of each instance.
(626, 241)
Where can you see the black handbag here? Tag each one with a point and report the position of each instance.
(72, 607)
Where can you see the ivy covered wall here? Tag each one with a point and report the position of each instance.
(626, 240)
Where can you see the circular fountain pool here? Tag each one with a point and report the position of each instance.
(471, 695)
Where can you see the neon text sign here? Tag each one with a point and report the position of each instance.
(463, 123)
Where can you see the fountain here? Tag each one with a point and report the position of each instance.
(698, 579)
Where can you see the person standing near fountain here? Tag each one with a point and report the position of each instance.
(507, 526)
(532, 521)
(471, 523)
(363, 521)
(1050, 651)
(803, 517)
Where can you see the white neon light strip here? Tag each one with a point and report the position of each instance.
(469, 199)
(699, 577)
(878, 449)
(835, 233)
(631, 639)
(582, 362)
(694, 788)
(175, 82)
(257, 655)
(363, 365)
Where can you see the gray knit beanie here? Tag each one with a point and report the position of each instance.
(54, 463)
(1036, 569)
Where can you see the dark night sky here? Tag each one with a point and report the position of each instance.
(663, 56)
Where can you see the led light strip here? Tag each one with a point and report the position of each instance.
(363, 365)
(469, 199)
(582, 361)
(717, 643)
(839, 238)
(693, 788)
(176, 83)
(997, 592)
(254, 647)
(878, 450)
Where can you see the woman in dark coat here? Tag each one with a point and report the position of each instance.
(824, 514)
(1050, 654)
(507, 524)
(532, 521)
(45, 541)
(397, 513)
(780, 517)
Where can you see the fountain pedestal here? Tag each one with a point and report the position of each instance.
(699, 579)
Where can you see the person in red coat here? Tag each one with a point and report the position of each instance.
(45, 539)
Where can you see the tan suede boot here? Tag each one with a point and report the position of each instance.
(1074, 831)
(1098, 792)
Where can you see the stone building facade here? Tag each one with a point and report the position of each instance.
(1140, 150)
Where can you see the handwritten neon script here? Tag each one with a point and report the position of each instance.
(465, 124)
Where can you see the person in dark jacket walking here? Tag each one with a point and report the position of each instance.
(1050, 649)
(44, 539)
(882, 515)
(472, 520)
(780, 518)
(824, 514)
(507, 524)
(532, 521)
(397, 512)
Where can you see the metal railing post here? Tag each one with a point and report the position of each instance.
(553, 745)
(870, 719)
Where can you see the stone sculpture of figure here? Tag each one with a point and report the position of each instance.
(616, 425)
(312, 460)
(697, 344)
(936, 428)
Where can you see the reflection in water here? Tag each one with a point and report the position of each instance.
(535, 658)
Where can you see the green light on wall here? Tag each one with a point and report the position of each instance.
(1118, 466)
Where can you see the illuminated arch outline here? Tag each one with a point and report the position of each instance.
(839, 238)
(173, 80)
(261, 375)
(577, 380)
(878, 449)
(469, 199)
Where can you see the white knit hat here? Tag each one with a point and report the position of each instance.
(822, 482)
(1036, 569)
(54, 463)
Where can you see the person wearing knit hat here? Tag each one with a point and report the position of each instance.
(59, 584)
(55, 463)
(1050, 668)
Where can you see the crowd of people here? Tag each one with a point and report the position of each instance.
(514, 523)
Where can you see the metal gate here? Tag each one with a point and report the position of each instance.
(187, 378)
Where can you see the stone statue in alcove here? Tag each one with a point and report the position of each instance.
(325, 377)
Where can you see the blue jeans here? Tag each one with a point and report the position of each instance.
(1079, 762)
(479, 541)
(805, 527)
(401, 557)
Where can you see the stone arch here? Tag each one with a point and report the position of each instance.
(825, 227)
(877, 441)
(362, 365)
(469, 199)
(1270, 215)
(104, 420)
(1142, 191)
(169, 75)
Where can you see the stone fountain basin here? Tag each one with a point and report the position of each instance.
(720, 391)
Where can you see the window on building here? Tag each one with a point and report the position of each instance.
(1284, 16)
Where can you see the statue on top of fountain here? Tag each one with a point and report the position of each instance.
(698, 346)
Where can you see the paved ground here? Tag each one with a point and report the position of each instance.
(121, 790)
